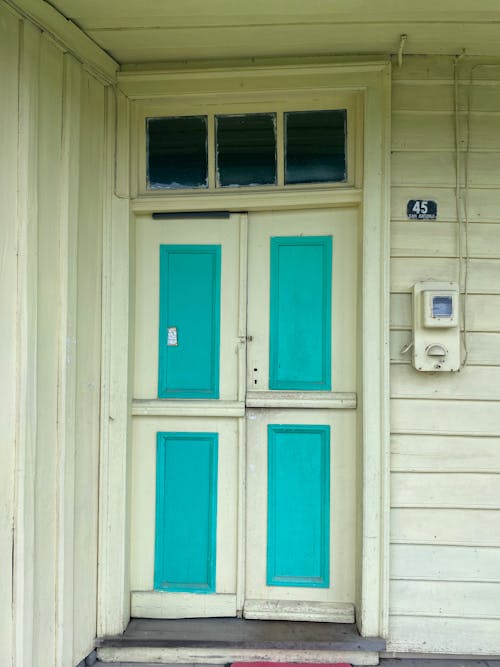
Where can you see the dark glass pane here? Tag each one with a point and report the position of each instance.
(177, 152)
(246, 150)
(315, 146)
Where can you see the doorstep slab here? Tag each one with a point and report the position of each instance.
(237, 633)
(229, 640)
(165, 656)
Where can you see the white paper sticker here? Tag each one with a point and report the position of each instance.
(172, 336)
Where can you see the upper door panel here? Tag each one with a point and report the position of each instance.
(188, 279)
(302, 300)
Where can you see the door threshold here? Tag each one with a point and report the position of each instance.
(226, 640)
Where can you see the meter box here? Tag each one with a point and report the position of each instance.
(436, 326)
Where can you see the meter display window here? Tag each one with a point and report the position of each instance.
(442, 306)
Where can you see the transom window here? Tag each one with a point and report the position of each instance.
(268, 149)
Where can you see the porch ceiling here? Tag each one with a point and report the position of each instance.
(145, 31)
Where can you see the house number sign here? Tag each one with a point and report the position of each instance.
(421, 209)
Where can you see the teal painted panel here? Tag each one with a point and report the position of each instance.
(300, 317)
(298, 521)
(186, 512)
(188, 358)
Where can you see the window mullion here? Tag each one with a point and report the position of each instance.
(212, 184)
(280, 149)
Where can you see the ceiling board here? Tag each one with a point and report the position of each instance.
(141, 31)
(362, 9)
(273, 41)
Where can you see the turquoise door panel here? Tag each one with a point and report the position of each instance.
(298, 546)
(189, 335)
(186, 512)
(300, 317)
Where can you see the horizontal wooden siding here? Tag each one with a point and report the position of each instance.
(445, 428)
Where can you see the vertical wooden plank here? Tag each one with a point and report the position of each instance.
(27, 339)
(372, 617)
(298, 524)
(48, 332)
(9, 68)
(241, 517)
(189, 336)
(242, 307)
(113, 601)
(66, 516)
(186, 512)
(300, 319)
(92, 150)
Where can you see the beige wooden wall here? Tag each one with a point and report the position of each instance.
(55, 152)
(445, 516)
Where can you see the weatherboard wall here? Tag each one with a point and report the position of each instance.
(445, 428)
(55, 153)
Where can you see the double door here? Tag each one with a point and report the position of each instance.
(243, 470)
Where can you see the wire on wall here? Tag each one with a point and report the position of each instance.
(461, 203)
(116, 192)
(462, 193)
(402, 42)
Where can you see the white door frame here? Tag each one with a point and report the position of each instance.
(373, 80)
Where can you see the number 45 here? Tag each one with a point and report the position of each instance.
(420, 207)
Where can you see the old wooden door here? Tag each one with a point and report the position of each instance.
(244, 445)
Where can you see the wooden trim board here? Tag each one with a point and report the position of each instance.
(372, 80)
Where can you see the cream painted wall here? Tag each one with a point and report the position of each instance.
(9, 45)
(55, 166)
(445, 491)
(56, 124)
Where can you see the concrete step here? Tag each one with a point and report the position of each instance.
(219, 641)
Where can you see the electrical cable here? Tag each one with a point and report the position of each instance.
(458, 199)
(466, 218)
(115, 157)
